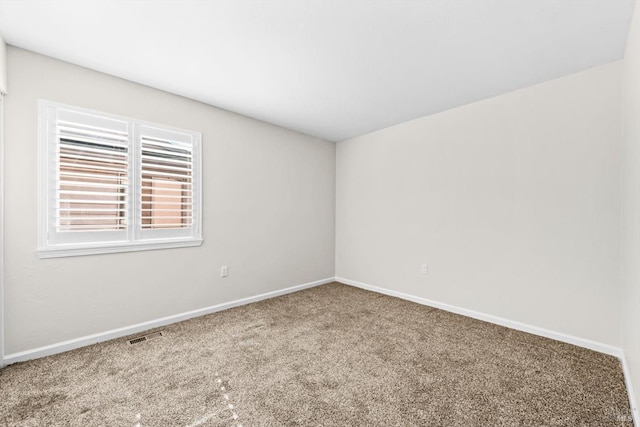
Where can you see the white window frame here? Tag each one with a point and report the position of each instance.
(53, 244)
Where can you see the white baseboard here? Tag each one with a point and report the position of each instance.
(580, 342)
(61, 347)
(630, 392)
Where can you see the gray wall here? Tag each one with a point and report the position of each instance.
(268, 213)
(514, 202)
(3, 66)
(631, 204)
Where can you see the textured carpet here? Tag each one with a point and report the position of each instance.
(333, 356)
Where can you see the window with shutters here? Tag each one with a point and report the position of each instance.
(113, 184)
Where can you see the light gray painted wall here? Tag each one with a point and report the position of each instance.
(631, 204)
(3, 89)
(3, 66)
(268, 212)
(514, 202)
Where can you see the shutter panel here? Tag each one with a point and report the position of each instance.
(92, 179)
(166, 180)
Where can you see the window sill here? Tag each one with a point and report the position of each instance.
(111, 248)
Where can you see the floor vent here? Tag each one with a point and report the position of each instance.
(144, 338)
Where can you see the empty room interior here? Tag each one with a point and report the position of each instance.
(330, 213)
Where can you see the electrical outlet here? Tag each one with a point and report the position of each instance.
(424, 269)
(224, 271)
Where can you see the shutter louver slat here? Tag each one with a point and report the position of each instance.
(168, 191)
(166, 184)
(97, 227)
(151, 183)
(161, 153)
(81, 152)
(89, 202)
(79, 175)
(90, 185)
(156, 160)
(157, 174)
(95, 166)
(91, 188)
(162, 167)
(99, 211)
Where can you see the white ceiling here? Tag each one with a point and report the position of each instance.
(329, 68)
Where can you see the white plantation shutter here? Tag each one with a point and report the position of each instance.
(111, 184)
(167, 168)
(88, 187)
(92, 184)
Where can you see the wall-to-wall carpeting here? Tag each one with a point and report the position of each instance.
(330, 355)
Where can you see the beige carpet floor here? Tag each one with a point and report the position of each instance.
(332, 355)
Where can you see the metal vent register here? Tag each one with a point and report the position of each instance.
(145, 338)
